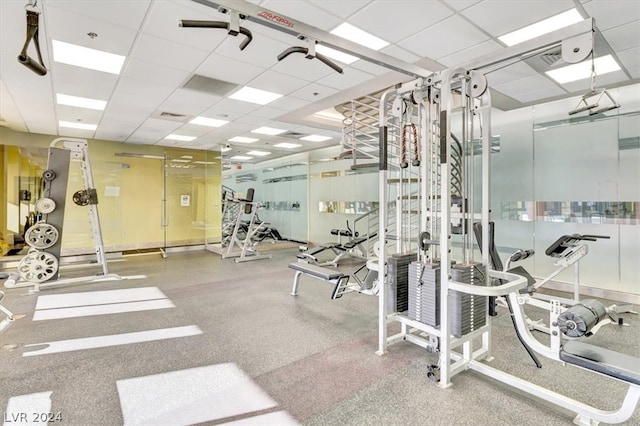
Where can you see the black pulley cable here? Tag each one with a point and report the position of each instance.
(32, 34)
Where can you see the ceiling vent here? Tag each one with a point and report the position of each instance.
(552, 57)
(209, 85)
(171, 116)
(293, 135)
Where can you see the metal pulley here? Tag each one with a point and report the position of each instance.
(45, 205)
(41, 236)
(48, 175)
(81, 198)
(579, 319)
(38, 267)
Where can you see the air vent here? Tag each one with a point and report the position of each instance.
(172, 116)
(209, 85)
(551, 58)
(293, 135)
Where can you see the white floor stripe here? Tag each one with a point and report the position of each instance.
(68, 300)
(114, 308)
(113, 340)
(280, 418)
(25, 409)
(190, 396)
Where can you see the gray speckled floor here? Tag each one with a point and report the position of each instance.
(313, 356)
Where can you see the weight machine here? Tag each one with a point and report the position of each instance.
(8, 320)
(40, 267)
(449, 286)
(244, 235)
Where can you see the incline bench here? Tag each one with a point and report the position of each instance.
(339, 279)
(614, 364)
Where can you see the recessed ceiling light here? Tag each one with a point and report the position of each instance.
(582, 70)
(258, 153)
(545, 26)
(287, 145)
(255, 96)
(209, 122)
(268, 131)
(345, 58)
(75, 125)
(359, 36)
(316, 138)
(179, 160)
(183, 138)
(79, 102)
(240, 158)
(72, 54)
(204, 162)
(242, 139)
(189, 157)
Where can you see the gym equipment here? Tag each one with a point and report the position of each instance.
(310, 53)
(353, 247)
(6, 322)
(244, 235)
(40, 267)
(449, 287)
(339, 279)
(233, 26)
(33, 17)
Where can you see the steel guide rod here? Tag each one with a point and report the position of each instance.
(287, 25)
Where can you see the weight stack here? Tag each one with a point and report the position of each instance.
(398, 281)
(467, 312)
(424, 293)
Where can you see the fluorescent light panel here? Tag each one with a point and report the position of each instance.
(335, 54)
(287, 145)
(204, 162)
(242, 139)
(582, 70)
(183, 138)
(76, 125)
(209, 122)
(258, 153)
(359, 36)
(77, 101)
(179, 160)
(316, 138)
(255, 96)
(548, 25)
(79, 56)
(268, 131)
(240, 158)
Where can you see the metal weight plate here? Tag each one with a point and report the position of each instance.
(45, 205)
(81, 198)
(38, 267)
(41, 236)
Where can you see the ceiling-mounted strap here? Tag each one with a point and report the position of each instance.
(232, 27)
(32, 34)
(310, 53)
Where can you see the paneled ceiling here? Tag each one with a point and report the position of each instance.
(161, 57)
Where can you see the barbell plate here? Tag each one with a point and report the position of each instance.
(38, 267)
(41, 236)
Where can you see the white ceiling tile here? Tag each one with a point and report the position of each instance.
(623, 37)
(160, 127)
(539, 95)
(524, 85)
(167, 53)
(183, 108)
(276, 82)
(457, 32)
(512, 72)
(394, 20)
(76, 81)
(298, 66)
(136, 69)
(84, 115)
(630, 58)
(288, 103)
(498, 18)
(255, 121)
(350, 78)
(125, 13)
(230, 106)
(139, 93)
(114, 130)
(470, 53)
(163, 22)
(304, 12)
(607, 12)
(193, 97)
(9, 111)
(227, 69)
(460, 4)
(193, 130)
(268, 112)
(76, 133)
(370, 67)
(126, 111)
(313, 92)
(400, 53)
(262, 51)
(42, 128)
(12, 17)
(602, 81)
(340, 8)
(111, 38)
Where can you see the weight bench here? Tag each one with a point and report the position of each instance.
(614, 364)
(339, 279)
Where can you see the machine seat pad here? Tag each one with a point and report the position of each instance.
(326, 274)
(620, 366)
(353, 243)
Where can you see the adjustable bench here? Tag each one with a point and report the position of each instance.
(614, 364)
(339, 279)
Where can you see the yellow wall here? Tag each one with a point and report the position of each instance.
(130, 192)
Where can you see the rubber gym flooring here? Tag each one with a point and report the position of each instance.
(203, 340)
